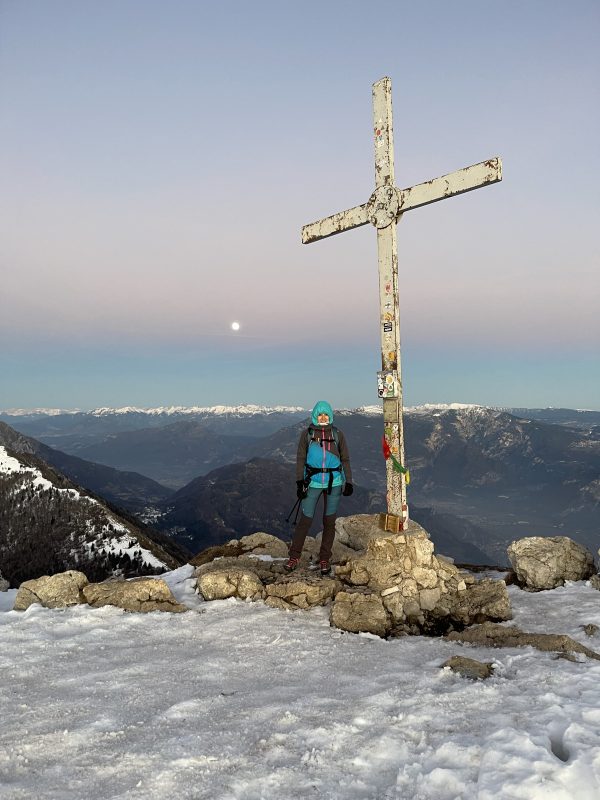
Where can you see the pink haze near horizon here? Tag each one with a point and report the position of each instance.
(158, 162)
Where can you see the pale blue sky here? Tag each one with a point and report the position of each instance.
(158, 159)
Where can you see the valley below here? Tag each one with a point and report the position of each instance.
(480, 477)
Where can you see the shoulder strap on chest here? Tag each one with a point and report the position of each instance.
(336, 436)
(311, 437)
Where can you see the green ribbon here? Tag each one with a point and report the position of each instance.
(399, 468)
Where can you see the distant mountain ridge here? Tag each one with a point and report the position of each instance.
(248, 409)
(257, 495)
(128, 489)
(505, 475)
(71, 432)
(172, 454)
(135, 415)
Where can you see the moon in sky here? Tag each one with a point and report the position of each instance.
(235, 326)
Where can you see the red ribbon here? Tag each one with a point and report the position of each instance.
(387, 453)
(386, 449)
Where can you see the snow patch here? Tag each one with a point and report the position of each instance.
(427, 408)
(41, 412)
(126, 545)
(375, 411)
(10, 465)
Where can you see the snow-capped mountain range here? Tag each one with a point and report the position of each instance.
(167, 411)
(249, 410)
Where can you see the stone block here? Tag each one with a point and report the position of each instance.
(139, 594)
(52, 591)
(360, 612)
(547, 562)
(219, 584)
(302, 592)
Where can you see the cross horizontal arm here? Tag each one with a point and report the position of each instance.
(464, 180)
(337, 223)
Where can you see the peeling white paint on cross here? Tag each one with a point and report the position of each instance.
(383, 210)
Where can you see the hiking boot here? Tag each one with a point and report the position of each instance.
(291, 564)
(325, 567)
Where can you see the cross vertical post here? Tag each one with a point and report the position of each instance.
(383, 210)
(384, 206)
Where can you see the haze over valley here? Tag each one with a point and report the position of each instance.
(480, 477)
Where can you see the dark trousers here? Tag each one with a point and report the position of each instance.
(301, 532)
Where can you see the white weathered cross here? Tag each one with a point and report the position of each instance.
(384, 209)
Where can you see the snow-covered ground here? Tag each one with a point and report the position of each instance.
(238, 701)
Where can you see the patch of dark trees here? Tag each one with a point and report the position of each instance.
(44, 531)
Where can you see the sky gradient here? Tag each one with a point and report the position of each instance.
(157, 161)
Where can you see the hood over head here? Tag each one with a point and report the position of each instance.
(322, 407)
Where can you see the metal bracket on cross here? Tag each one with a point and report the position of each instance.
(383, 210)
(387, 203)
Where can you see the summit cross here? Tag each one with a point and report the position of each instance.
(384, 210)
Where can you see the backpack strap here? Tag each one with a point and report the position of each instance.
(310, 471)
(312, 438)
(336, 437)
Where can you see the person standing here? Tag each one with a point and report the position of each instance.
(322, 468)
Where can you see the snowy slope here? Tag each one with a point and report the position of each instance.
(41, 511)
(238, 701)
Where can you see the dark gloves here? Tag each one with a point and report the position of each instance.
(301, 490)
(348, 489)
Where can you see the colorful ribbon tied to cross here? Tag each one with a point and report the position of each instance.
(387, 453)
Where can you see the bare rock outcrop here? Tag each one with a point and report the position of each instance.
(4, 585)
(52, 591)
(296, 591)
(266, 570)
(547, 562)
(469, 667)
(230, 580)
(263, 544)
(267, 553)
(259, 544)
(139, 594)
(418, 590)
(383, 583)
(485, 600)
(389, 558)
(210, 554)
(490, 634)
(360, 611)
(356, 531)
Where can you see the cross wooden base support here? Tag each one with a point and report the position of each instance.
(391, 523)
